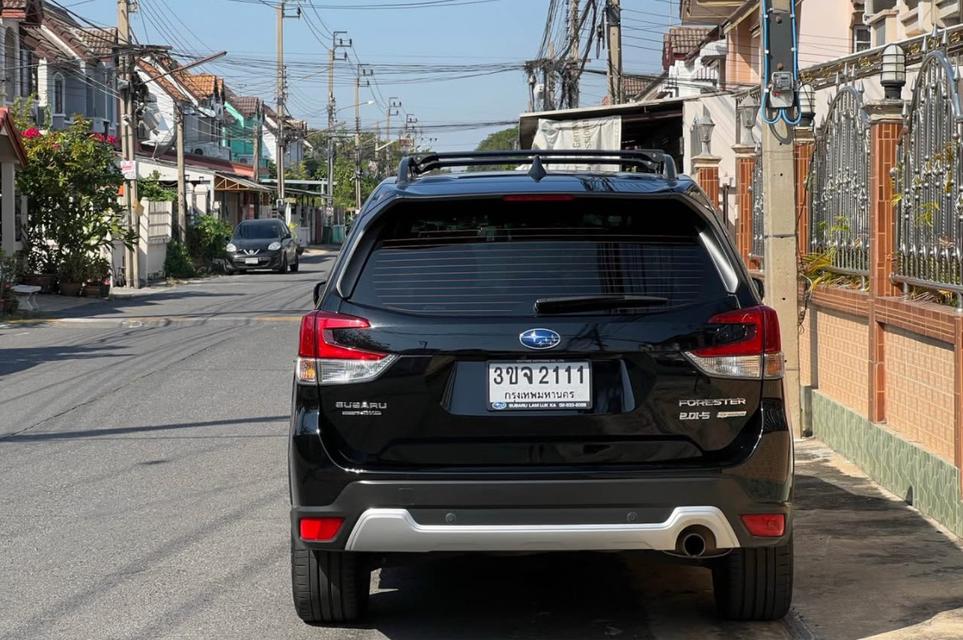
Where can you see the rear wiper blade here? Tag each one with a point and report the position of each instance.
(549, 306)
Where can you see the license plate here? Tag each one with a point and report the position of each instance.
(250, 261)
(539, 385)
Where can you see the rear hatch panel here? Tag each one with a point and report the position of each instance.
(448, 289)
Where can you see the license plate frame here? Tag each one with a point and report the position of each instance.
(251, 260)
(535, 392)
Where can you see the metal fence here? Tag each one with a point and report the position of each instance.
(839, 192)
(929, 183)
(757, 249)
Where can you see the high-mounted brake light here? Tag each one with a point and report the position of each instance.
(539, 197)
(322, 360)
(747, 345)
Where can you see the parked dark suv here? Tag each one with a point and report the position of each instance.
(535, 361)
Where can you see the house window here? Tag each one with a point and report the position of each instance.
(862, 38)
(27, 71)
(105, 79)
(10, 64)
(91, 98)
(58, 95)
(879, 33)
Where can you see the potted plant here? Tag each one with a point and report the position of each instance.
(73, 273)
(97, 283)
(8, 275)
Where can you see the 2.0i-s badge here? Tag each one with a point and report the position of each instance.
(539, 339)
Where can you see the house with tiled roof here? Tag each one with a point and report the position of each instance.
(246, 129)
(67, 67)
(200, 96)
(295, 132)
(692, 60)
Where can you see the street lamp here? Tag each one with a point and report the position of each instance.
(703, 126)
(748, 110)
(807, 105)
(893, 73)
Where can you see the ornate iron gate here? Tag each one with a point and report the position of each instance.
(839, 193)
(929, 183)
(757, 249)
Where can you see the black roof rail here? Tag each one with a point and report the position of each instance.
(652, 160)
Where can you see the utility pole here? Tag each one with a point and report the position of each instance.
(574, 54)
(128, 121)
(410, 122)
(613, 18)
(258, 132)
(281, 98)
(779, 94)
(363, 72)
(181, 177)
(337, 42)
(548, 75)
(394, 108)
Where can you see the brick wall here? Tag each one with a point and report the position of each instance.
(742, 63)
(745, 166)
(919, 390)
(842, 358)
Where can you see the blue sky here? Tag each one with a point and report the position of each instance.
(501, 31)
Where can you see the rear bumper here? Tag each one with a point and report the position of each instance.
(637, 510)
(397, 531)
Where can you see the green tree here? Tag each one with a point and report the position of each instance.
(151, 189)
(503, 140)
(500, 140)
(315, 167)
(72, 180)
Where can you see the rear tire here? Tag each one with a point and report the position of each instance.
(330, 587)
(754, 584)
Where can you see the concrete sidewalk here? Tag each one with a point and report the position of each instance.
(867, 564)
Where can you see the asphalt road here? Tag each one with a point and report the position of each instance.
(143, 494)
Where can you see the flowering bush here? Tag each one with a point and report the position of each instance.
(72, 180)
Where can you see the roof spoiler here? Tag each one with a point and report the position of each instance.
(648, 160)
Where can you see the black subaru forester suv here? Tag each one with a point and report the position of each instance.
(535, 361)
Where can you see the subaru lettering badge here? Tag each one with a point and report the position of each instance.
(539, 339)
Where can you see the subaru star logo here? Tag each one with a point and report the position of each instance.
(539, 339)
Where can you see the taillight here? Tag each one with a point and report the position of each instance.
(320, 529)
(321, 360)
(746, 345)
(765, 525)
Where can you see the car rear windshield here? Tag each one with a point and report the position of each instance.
(258, 230)
(495, 257)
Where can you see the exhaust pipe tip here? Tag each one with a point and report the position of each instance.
(693, 545)
(696, 542)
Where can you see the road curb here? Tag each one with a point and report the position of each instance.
(797, 627)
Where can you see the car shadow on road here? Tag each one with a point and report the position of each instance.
(42, 436)
(16, 360)
(565, 596)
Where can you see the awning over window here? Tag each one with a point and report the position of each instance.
(227, 182)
